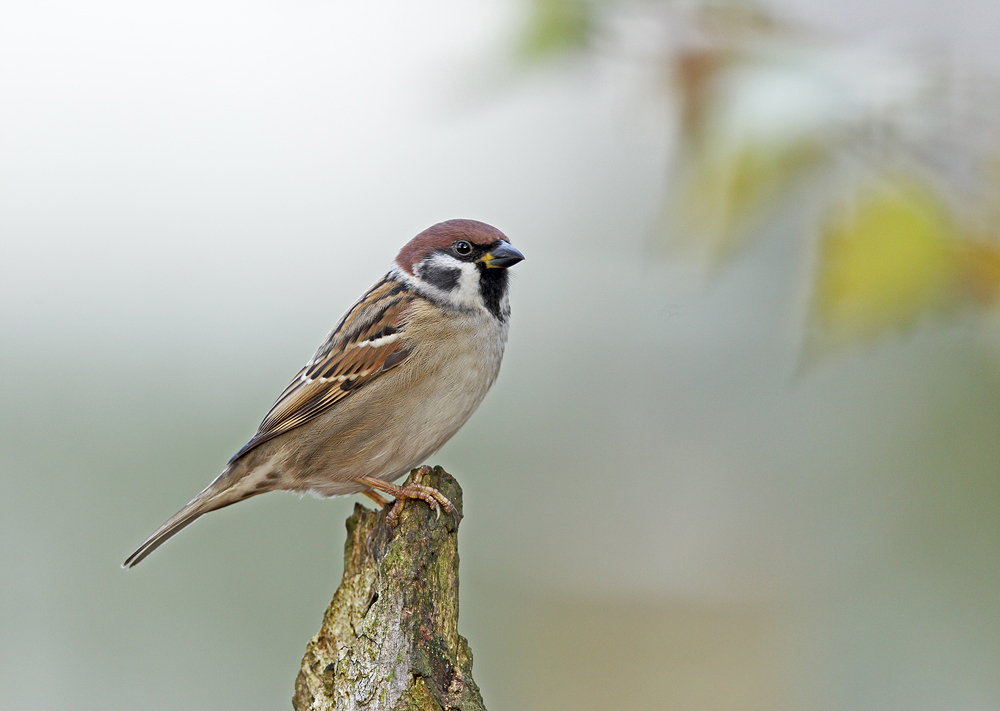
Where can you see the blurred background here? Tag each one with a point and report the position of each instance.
(752, 388)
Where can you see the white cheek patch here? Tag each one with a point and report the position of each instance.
(462, 281)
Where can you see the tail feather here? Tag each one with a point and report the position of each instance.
(178, 521)
(217, 495)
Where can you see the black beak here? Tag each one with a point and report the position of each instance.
(501, 257)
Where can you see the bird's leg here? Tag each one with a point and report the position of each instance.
(374, 496)
(434, 498)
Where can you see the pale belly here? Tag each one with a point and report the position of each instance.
(393, 426)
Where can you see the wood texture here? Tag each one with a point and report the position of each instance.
(389, 639)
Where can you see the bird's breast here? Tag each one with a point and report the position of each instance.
(395, 422)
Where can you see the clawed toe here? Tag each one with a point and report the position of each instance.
(431, 496)
(415, 490)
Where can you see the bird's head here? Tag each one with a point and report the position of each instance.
(461, 263)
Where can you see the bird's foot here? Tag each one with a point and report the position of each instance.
(434, 498)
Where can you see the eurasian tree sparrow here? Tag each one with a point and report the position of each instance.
(395, 379)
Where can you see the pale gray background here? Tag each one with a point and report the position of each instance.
(192, 193)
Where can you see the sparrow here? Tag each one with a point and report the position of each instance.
(397, 377)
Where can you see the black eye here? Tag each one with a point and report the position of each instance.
(462, 248)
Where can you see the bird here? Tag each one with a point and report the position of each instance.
(395, 379)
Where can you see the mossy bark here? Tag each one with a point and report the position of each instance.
(389, 639)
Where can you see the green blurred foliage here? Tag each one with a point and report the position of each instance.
(726, 193)
(773, 115)
(556, 26)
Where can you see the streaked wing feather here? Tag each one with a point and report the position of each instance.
(370, 340)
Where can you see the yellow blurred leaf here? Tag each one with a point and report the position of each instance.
(884, 261)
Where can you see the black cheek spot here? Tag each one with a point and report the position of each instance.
(444, 278)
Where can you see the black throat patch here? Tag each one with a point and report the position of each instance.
(493, 287)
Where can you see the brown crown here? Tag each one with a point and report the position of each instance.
(443, 234)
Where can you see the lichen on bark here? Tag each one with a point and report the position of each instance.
(389, 639)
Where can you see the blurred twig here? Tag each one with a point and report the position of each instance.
(389, 639)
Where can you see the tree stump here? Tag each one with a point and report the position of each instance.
(389, 639)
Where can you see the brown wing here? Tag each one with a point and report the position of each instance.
(368, 341)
